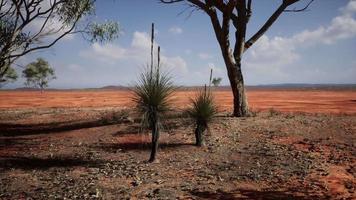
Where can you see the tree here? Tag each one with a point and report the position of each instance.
(9, 76)
(226, 14)
(152, 97)
(202, 110)
(216, 81)
(30, 25)
(38, 74)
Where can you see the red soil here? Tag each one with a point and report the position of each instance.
(310, 101)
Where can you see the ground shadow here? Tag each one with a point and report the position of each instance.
(242, 194)
(130, 146)
(9, 129)
(20, 143)
(30, 163)
(129, 130)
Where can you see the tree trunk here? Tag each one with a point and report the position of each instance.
(199, 130)
(155, 137)
(237, 85)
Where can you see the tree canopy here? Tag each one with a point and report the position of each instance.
(31, 25)
(9, 76)
(216, 81)
(38, 74)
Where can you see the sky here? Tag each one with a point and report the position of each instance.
(317, 46)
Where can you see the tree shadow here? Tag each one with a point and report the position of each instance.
(129, 130)
(136, 146)
(4, 142)
(31, 163)
(242, 194)
(10, 129)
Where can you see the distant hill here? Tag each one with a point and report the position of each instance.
(287, 86)
(305, 86)
(114, 87)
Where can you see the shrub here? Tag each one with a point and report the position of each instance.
(152, 97)
(202, 110)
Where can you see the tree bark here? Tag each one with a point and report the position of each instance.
(238, 90)
(239, 13)
(237, 84)
(199, 130)
(155, 137)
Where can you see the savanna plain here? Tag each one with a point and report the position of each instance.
(89, 144)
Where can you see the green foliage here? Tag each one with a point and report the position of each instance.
(10, 75)
(38, 74)
(203, 108)
(72, 10)
(152, 95)
(19, 36)
(216, 81)
(103, 32)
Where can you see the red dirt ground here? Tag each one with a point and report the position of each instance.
(87, 145)
(309, 101)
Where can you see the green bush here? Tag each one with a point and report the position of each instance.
(152, 97)
(202, 111)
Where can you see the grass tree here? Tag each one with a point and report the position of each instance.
(202, 111)
(152, 97)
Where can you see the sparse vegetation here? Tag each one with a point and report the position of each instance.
(273, 112)
(85, 143)
(216, 81)
(38, 74)
(202, 111)
(152, 98)
(254, 113)
(30, 26)
(9, 76)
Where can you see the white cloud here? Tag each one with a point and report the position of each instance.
(204, 56)
(138, 53)
(350, 9)
(176, 30)
(272, 54)
(175, 64)
(217, 71)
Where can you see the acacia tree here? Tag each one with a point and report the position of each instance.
(38, 74)
(226, 14)
(30, 25)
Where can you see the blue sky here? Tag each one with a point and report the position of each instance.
(316, 46)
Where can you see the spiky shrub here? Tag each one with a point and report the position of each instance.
(152, 97)
(202, 111)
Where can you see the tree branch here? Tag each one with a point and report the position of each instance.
(266, 26)
(240, 33)
(301, 9)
